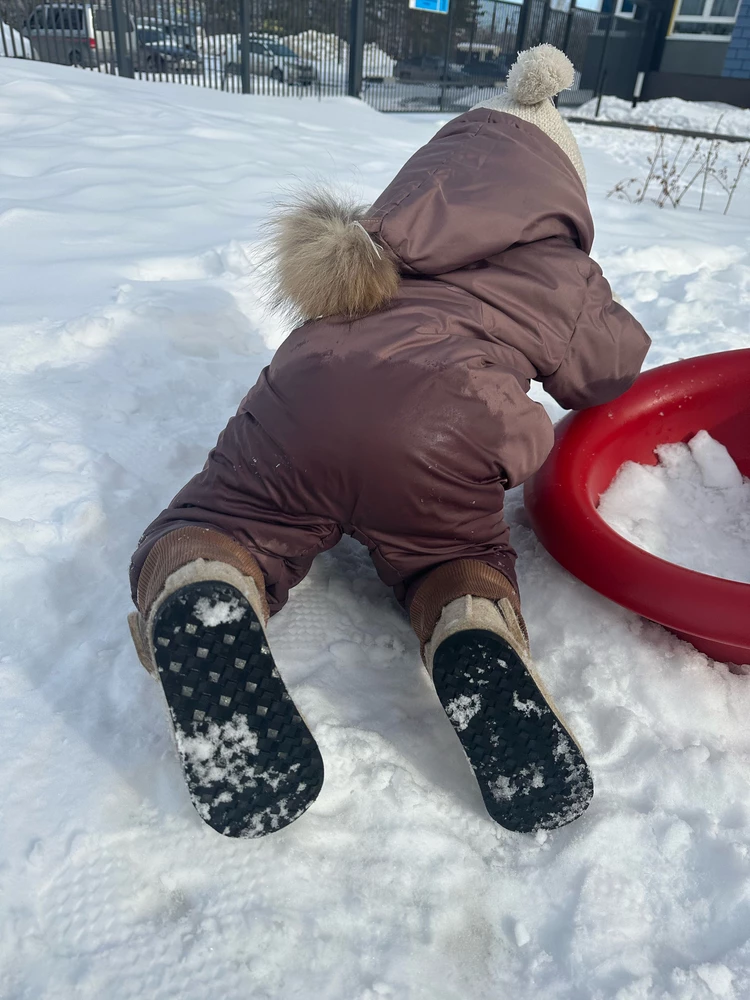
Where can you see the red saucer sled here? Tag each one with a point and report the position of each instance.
(667, 404)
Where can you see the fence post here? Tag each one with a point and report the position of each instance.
(523, 24)
(356, 47)
(545, 22)
(569, 26)
(602, 71)
(245, 46)
(123, 57)
(446, 59)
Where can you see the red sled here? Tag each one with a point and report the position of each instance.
(666, 404)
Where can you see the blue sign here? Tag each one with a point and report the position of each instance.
(436, 6)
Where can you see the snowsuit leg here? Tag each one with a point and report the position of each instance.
(268, 515)
(239, 509)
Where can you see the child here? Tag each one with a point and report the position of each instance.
(397, 413)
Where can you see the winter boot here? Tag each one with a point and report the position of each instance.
(250, 763)
(530, 770)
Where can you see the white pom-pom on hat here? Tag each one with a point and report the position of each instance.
(538, 74)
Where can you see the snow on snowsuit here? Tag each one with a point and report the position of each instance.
(404, 427)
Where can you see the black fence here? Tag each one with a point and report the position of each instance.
(395, 58)
(451, 62)
(245, 46)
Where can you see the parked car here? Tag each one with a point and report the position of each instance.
(270, 57)
(161, 51)
(490, 70)
(180, 32)
(427, 69)
(79, 34)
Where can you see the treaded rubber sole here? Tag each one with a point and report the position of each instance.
(250, 762)
(530, 771)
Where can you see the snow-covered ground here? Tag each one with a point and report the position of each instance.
(693, 508)
(131, 327)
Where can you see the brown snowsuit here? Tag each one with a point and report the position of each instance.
(404, 427)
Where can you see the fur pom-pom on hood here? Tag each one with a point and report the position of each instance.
(538, 74)
(324, 263)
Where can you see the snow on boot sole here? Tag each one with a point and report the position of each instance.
(250, 762)
(530, 771)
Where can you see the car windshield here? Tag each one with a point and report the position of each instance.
(152, 35)
(180, 32)
(280, 50)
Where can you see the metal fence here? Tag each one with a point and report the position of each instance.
(451, 62)
(395, 58)
(279, 47)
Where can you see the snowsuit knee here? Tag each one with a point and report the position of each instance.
(402, 419)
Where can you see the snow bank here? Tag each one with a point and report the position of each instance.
(130, 328)
(674, 113)
(329, 49)
(12, 43)
(693, 508)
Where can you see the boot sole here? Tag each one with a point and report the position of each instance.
(250, 762)
(530, 771)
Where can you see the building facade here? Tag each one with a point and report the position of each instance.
(699, 36)
(737, 62)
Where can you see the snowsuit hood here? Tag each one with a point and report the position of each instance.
(487, 182)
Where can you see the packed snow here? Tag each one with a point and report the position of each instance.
(331, 54)
(462, 709)
(12, 42)
(673, 112)
(222, 755)
(218, 612)
(693, 508)
(131, 327)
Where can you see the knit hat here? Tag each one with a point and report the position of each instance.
(534, 79)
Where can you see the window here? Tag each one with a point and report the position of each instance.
(724, 8)
(701, 28)
(280, 50)
(256, 49)
(64, 18)
(102, 19)
(182, 33)
(38, 19)
(705, 18)
(625, 8)
(68, 19)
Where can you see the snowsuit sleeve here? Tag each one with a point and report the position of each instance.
(605, 353)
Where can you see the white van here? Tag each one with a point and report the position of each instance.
(78, 34)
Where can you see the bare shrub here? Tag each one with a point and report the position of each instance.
(671, 175)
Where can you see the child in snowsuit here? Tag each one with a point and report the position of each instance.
(397, 413)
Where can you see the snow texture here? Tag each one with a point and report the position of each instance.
(216, 612)
(130, 329)
(693, 508)
(12, 42)
(461, 710)
(673, 112)
(331, 53)
(520, 784)
(222, 755)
